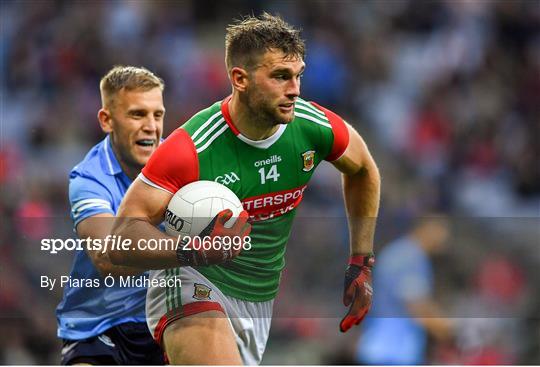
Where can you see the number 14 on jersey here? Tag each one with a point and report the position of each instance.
(271, 174)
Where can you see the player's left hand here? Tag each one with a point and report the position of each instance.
(358, 291)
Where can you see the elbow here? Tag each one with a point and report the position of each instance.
(372, 172)
(372, 169)
(369, 171)
(376, 174)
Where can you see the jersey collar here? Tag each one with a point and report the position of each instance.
(227, 115)
(263, 144)
(112, 166)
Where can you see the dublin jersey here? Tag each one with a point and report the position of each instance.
(269, 176)
(96, 185)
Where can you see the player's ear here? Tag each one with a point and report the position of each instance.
(239, 78)
(105, 120)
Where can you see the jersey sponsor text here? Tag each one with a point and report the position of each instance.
(274, 204)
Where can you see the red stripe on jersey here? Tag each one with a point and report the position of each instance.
(274, 204)
(341, 133)
(174, 163)
(227, 115)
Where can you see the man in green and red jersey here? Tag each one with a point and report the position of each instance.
(263, 142)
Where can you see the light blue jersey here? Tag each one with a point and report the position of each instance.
(403, 273)
(96, 185)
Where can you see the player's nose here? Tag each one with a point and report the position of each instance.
(293, 88)
(151, 124)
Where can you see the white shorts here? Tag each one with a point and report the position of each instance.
(250, 321)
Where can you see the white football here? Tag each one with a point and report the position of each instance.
(193, 207)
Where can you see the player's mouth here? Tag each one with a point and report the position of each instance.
(286, 107)
(146, 143)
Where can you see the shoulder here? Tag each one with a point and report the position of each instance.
(97, 163)
(204, 120)
(90, 186)
(325, 125)
(173, 164)
(90, 163)
(311, 114)
(90, 174)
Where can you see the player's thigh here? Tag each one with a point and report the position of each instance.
(204, 338)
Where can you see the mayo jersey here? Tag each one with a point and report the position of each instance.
(269, 176)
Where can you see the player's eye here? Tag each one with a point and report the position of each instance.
(137, 114)
(282, 76)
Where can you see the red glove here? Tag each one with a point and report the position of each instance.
(218, 252)
(358, 292)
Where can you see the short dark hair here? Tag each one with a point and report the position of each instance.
(250, 37)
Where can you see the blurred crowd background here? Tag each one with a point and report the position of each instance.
(446, 94)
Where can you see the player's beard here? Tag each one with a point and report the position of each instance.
(263, 111)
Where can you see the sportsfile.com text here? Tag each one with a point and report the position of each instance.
(113, 242)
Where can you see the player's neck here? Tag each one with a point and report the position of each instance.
(247, 123)
(129, 170)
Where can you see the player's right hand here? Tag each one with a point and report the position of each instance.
(219, 253)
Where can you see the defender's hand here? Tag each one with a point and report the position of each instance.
(220, 253)
(358, 291)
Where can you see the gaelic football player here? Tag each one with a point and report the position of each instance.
(107, 325)
(268, 142)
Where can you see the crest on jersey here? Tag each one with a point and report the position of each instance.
(308, 157)
(201, 292)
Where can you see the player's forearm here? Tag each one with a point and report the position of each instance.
(362, 194)
(142, 233)
(105, 267)
(98, 228)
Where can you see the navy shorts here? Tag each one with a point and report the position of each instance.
(124, 344)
